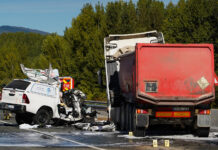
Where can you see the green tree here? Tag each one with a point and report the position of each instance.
(56, 50)
(17, 48)
(128, 18)
(113, 17)
(85, 38)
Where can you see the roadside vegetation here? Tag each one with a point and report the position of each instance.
(79, 52)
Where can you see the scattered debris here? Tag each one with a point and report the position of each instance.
(27, 126)
(96, 126)
(48, 75)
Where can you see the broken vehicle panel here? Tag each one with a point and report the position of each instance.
(48, 75)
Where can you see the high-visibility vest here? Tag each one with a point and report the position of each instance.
(67, 83)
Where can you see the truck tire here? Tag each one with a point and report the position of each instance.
(42, 117)
(130, 117)
(129, 113)
(19, 118)
(111, 93)
(139, 132)
(23, 118)
(114, 99)
(126, 116)
(203, 132)
(122, 116)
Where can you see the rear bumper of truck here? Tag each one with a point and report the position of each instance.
(173, 115)
(170, 101)
(13, 107)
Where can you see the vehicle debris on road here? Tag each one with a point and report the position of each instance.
(28, 126)
(96, 126)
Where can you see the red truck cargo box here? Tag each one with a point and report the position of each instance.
(169, 74)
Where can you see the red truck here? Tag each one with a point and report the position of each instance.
(149, 82)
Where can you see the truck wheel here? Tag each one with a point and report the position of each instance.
(139, 132)
(42, 117)
(126, 117)
(132, 116)
(19, 118)
(23, 118)
(129, 117)
(122, 116)
(129, 113)
(114, 99)
(203, 132)
(111, 97)
(132, 119)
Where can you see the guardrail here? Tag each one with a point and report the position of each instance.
(96, 104)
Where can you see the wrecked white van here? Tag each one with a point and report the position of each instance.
(39, 101)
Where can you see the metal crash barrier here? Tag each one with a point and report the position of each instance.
(96, 104)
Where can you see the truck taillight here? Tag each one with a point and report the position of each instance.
(204, 111)
(25, 99)
(142, 111)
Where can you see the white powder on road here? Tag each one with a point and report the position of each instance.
(212, 137)
(27, 126)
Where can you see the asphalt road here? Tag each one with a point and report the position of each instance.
(68, 137)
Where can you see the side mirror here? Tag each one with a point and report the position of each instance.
(99, 73)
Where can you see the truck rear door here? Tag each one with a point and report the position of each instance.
(175, 72)
(13, 92)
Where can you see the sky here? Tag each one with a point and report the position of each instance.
(45, 15)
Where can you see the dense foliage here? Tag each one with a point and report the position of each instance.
(79, 53)
(17, 48)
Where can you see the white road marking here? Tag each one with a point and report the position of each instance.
(5, 122)
(61, 138)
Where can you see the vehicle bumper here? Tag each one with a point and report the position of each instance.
(13, 107)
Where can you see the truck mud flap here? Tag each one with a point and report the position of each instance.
(142, 120)
(203, 120)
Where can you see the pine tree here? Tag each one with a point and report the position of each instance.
(57, 52)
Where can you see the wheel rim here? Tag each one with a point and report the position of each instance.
(42, 118)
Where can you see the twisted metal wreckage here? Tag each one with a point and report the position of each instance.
(72, 104)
